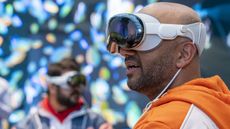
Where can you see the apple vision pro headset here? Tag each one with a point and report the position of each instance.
(142, 32)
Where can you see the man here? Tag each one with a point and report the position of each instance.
(162, 44)
(64, 107)
(5, 107)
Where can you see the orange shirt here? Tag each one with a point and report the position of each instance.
(210, 95)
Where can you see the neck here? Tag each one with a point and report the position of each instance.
(185, 75)
(183, 78)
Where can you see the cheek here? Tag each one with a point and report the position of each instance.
(79, 89)
(151, 63)
(146, 61)
(66, 92)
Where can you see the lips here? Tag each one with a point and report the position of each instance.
(132, 67)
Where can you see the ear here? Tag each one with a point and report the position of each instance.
(186, 54)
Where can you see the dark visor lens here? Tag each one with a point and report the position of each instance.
(126, 30)
(77, 80)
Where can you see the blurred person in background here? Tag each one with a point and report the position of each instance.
(64, 106)
(162, 44)
(5, 108)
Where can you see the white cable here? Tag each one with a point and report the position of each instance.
(167, 86)
(163, 91)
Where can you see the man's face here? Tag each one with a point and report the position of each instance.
(149, 71)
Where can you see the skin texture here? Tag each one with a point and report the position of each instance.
(155, 68)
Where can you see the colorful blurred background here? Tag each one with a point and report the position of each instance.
(34, 33)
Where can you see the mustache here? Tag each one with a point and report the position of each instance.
(131, 58)
(75, 93)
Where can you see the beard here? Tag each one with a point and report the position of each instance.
(66, 101)
(153, 75)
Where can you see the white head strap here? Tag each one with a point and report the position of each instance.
(156, 31)
(60, 80)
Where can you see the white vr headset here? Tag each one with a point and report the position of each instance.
(61, 81)
(143, 32)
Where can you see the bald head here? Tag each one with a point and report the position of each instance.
(171, 13)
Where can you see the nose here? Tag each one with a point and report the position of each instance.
(125, 52)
